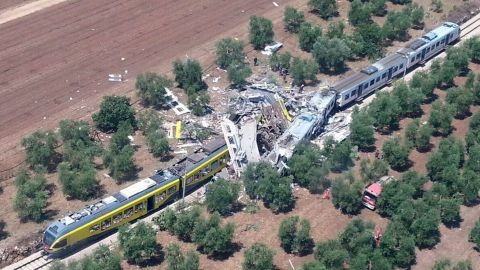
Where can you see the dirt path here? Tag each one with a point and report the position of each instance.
(16, 12)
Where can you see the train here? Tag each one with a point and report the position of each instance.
(136, 200)
(360, 84)
(151, 193)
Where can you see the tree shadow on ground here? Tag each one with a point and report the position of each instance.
(234, 248)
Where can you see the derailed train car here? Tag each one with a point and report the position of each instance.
(137, 200)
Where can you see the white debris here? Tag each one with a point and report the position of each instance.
(123, 58)
(130, 137)
(215, 88)
(275, 4)
(180, 152)
(106, 175)
(44, 117)
(216, 79)
(115, 77)
(270, 49)
(71, 98)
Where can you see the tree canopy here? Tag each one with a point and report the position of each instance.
(396, 153)
(138, 243)
(31, 197)
(294, 234)
(261, 32)
(151, 89)
(324, 8)
(262, 181)
(221, 196)
(113, 111)
(307, 35)
(292, 19)
(258, 257)
(331, 54)
(228, 51)
(361, 130)
(40, 148)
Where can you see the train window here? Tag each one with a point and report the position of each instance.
(347, 96)
(139, 207)
(106, 223)
(384, 75)
(438, 43)
(160, 197)
(395, 69)
(171, 190)
(189, 180)
(372, 82)
(354, 92)
(215, 165)
(418, 56)
(128, 213)
(378, 79)
(413, 59)
(365, 86)
(117, 218)
(95, 227)
(401, 66)
(60, 244)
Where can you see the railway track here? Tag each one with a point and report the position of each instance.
(38, 262)
(469, 26)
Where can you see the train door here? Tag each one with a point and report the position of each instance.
(423, 54)
(150, 203)
(389, 74)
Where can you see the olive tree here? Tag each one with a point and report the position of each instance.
(294, 235)
(40, 148)
(113, 111)
(138, 243)
(228, 51)
(261, 32)
(474, 236)
(151, 89)
(258, 257)
(31, 198)
(221, 196)
(324, 8)
(307, 35)
(395, 153)
(347, 197)
(292, 19)
(331, 54)
(361, 130)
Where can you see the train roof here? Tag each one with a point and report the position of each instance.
(388, 61)
(437, 33)
(136, 190)
(350, 81)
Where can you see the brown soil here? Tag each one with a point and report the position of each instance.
(326, 223)
(6, 4)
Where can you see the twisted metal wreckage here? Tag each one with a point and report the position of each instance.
(267, 123)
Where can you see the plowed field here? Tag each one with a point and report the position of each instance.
(54, 62)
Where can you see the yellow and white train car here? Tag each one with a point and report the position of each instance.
(137, 200)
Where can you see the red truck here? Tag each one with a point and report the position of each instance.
(373, 191)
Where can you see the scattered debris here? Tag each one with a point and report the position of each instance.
(115, 77)
(270, 49)
(177, 107)
(275, 4)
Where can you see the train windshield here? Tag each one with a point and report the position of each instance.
(48, 238)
